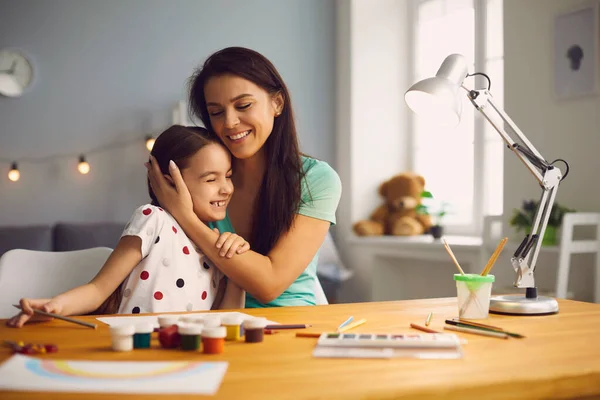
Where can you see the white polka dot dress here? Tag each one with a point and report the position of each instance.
(173, 274)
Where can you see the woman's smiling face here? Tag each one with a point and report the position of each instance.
(241, 113)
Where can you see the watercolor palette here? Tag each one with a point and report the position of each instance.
(381, 345)
(410, 340)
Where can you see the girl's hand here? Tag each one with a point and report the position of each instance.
(231, 244)
(171, 191)
(27, 314)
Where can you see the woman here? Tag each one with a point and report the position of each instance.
(284, 203)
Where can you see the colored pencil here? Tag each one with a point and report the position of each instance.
(428, 319)
(353, 325)
(291, 326)
(72, 320)
(424, 329)
(494, 257)
(308, 334)
(451, 254)
(475, 331)
(511, 334)
(343, 324)
(467, 324)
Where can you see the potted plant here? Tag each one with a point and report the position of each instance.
(522, 220)
(436, 210)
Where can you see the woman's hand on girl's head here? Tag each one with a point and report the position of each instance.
(27, 314)
(231, 244)
(171, 191)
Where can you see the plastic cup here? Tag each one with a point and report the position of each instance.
(473, 293)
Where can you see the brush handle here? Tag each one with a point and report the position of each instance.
(47, 314)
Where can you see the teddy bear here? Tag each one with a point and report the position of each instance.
(398, 215)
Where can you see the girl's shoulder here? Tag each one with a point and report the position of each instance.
(149, 212)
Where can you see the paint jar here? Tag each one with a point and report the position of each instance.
(190, 336)
(254, 329)
(169, 337)
(473, 294)
(212, 321)
(164, 321)
(213, 340)
(141, 337)
(232, 323)
(122, 337)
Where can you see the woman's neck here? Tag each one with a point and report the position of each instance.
(249, 172)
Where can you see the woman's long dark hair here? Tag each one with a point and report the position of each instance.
(280, 191)
(177, 143)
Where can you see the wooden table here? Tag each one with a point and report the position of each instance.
(559, 358)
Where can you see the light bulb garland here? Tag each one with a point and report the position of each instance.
(14, 173)
(150, 142)
(83, 165)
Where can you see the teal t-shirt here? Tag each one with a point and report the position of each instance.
(321, 192)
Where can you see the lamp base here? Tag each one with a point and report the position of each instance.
(521, 305)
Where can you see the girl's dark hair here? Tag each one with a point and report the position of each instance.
(280, 191)
(177, 143)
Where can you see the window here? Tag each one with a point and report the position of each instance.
(462, 166)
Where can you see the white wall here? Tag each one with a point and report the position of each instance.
(372, 77)
(568, 129)
(110, 71)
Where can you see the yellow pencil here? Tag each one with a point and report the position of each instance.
(494, 257)
(451, 254)
(428, 320)
(352, 325)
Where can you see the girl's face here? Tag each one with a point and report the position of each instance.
(208, 178)
(241, 113)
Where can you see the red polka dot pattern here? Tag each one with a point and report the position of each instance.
(158, 295)
(186, 250)
(144, 275)
(174, 229)
(204, 294)
(160, 209)
(147, 211)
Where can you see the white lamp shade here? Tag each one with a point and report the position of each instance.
(437, 97)
(9, 86)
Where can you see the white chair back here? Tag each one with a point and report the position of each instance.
(44, 274)
(321, 299)
(568, 246)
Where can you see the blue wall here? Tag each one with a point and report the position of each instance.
(110, 71)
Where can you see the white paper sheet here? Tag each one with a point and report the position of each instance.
(24, 373)
(153, 319)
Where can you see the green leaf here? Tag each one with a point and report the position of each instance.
(426, 195)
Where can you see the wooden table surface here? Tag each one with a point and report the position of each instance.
(559, 358)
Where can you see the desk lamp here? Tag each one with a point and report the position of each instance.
(438, 98)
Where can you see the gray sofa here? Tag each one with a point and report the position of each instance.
(60, 237)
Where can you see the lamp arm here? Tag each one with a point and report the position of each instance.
(548, 176)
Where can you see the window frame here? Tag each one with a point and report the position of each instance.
(479, 123)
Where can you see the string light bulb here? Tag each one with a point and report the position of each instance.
(14, 173)
(150, 142)
(83, 167)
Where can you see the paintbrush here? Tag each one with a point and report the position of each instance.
(72, 320)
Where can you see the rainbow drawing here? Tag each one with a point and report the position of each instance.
(26, 373)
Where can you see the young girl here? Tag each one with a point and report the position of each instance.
(155, 267)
